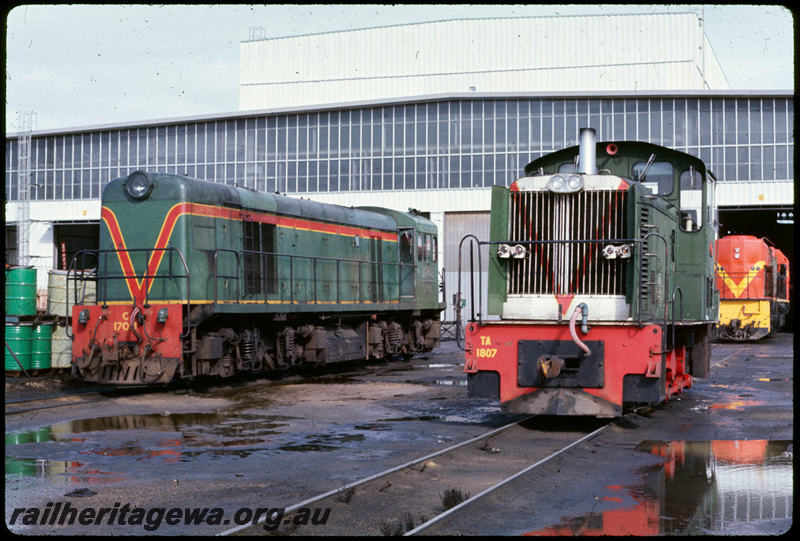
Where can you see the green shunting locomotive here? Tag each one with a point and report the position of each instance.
(601, 275)
(198, 278)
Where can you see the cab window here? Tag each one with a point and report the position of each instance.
(659, 177)
(407, 246)
(427, 247)
(691, 202)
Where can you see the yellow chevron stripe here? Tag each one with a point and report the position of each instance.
(738, 289)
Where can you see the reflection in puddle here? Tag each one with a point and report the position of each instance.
(168, 438)
(60, 472)
(735, 405)
(717, 487)
(108, 449)
(459, 382)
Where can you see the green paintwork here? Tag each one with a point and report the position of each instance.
(319, 257)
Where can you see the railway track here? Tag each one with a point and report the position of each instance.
(56, 399)
(74, 397)
(415, 495)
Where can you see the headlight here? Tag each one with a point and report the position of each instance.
(556, 183)
(139, 185)
(622, 251)
(560, 184)
(575, 182)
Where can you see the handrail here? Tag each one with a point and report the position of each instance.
(101, 289)
(217, 276)
(672, 301)
(641, 273)
(638, 241)
(471, 281)
(379, 279)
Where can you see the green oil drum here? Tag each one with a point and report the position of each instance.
(41, 347)
(19, 338)
(21, 291)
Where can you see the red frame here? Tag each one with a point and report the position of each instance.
(628, 349)
(116, 327)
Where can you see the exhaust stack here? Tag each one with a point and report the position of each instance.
(588, 152)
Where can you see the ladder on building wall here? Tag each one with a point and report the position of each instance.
(26, 121)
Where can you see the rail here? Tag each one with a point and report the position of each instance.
(676, 290)
(217, 276)
(458, 297)
(641, 273)
(641, 256)
(367, 274)
(750, 285)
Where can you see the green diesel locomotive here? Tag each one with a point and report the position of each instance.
(601, 272)
(200, 278)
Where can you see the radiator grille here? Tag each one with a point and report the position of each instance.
(563, 260)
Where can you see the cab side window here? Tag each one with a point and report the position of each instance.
(691, 202)
(427, 247)
(407, 246)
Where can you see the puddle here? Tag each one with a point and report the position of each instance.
(717, 487)
(165, 439)
(735, 405)
(733, 402)
(107, 449)
(67, 473)
(377, 427)
(410, 418)
(323, 442)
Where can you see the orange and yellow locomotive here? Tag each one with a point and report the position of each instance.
(753, 284)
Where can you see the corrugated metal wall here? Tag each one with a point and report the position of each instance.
(456, 226)
(612, 52)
